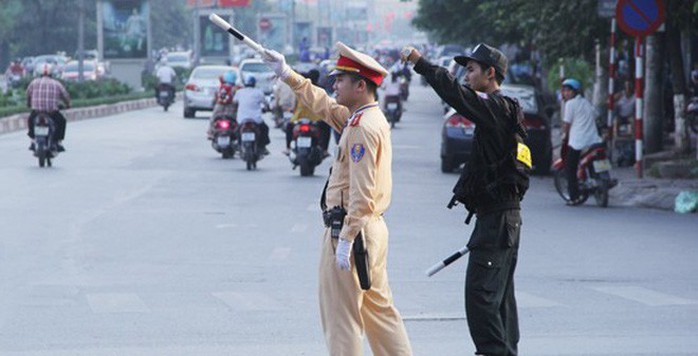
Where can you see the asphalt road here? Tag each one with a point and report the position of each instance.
(141, 240)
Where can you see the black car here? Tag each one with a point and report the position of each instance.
(457, 132)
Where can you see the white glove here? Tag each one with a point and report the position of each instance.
(342, 254)
(277, 62)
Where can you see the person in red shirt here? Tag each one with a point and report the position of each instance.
(224, 100)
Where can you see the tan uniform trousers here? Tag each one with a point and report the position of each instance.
(347, 311)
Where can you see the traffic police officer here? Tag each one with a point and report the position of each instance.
(360, 184)
(491, 188)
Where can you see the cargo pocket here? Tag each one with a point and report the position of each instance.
(512, 228)
(484, 270)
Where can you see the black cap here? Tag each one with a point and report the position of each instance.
(487, 55)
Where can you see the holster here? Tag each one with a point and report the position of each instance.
(363, 269)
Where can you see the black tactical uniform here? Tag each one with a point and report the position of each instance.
(492, 191)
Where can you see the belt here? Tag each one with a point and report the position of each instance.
(489, 209)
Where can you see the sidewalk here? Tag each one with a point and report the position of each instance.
(647, 192)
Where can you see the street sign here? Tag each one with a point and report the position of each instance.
(264, 24)
(640, 18)
(606, 8)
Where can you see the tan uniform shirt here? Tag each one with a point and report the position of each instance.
(361, 177)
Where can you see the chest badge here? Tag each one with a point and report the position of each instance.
(357, 152)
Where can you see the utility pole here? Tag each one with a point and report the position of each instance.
(81, 40)
(653, 115)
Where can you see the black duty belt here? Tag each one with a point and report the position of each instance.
(489, 209)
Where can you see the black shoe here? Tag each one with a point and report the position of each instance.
(32, 147)
(265, 151)
(60, 147)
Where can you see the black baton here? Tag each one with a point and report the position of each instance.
(361, 262)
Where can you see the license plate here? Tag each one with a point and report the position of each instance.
(468, 131)
(304, 142)
(288, 115)
(41, 131)
(603, 165)
(223, 140)
(392, 106)
(164, 94)
(248, 136)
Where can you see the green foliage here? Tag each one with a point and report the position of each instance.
(574, 68)
(95, 89)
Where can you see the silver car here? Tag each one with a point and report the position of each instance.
(200, 90)
(261, 72)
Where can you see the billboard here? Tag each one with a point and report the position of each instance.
(125, 28)
(272, 31)
(214, 42)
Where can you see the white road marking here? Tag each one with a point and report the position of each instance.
(299, 228)
(280, 254)
(226, 226)
(248, 301)
(644, 295)
(116, 303)
(527, 300)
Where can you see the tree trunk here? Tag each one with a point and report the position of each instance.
(653, 110)
(678, 79)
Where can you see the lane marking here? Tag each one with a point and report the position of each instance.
(116, 303)
(226, 226)
(280, 254)
(248, 301)
(299, 228)
(644, 295)
(527, 300)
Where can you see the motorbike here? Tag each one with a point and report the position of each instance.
(45, 148)
(594, 174)
(165, 97)
(404, 88)
(306, 151)
(393, 109)
(248, 142)
(692, 114)
(225, 138)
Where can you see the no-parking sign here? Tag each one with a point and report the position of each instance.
(640, 17)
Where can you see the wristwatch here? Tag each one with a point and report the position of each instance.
(406, 52)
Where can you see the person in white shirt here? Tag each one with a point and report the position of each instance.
(578, 130)
(166, 77)
(625, 109)
(392, 91)
(250, 101)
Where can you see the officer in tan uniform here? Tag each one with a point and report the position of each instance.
(360, 184)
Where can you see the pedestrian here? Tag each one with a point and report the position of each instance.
(360, 187)
(491, 186)
(579, 132)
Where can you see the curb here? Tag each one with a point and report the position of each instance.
(19, 121)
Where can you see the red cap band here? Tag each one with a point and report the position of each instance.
(348, 65)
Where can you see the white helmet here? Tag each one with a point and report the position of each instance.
(46, 69)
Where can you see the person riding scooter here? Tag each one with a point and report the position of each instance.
(579, 131)
(166, 78)
(392, 91)
(45, 94)
(224, 100)
(250, 101)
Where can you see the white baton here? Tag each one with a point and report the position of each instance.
(233, 31)
(441, 265)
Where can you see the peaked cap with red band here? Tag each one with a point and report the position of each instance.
(351, 61)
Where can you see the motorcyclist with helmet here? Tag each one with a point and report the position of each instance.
(579, 132)
(45, 94)
(224, 100)
(250, 101)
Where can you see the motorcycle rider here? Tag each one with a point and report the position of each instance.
(579, 132)
(224, 100)
(249, 101)
(301, 111)
(166, 78)
(392, 90)
(284, 101)
(45, 94)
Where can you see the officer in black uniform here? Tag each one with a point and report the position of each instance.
(491, 187)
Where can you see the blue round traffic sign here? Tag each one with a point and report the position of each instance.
(639, 17)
